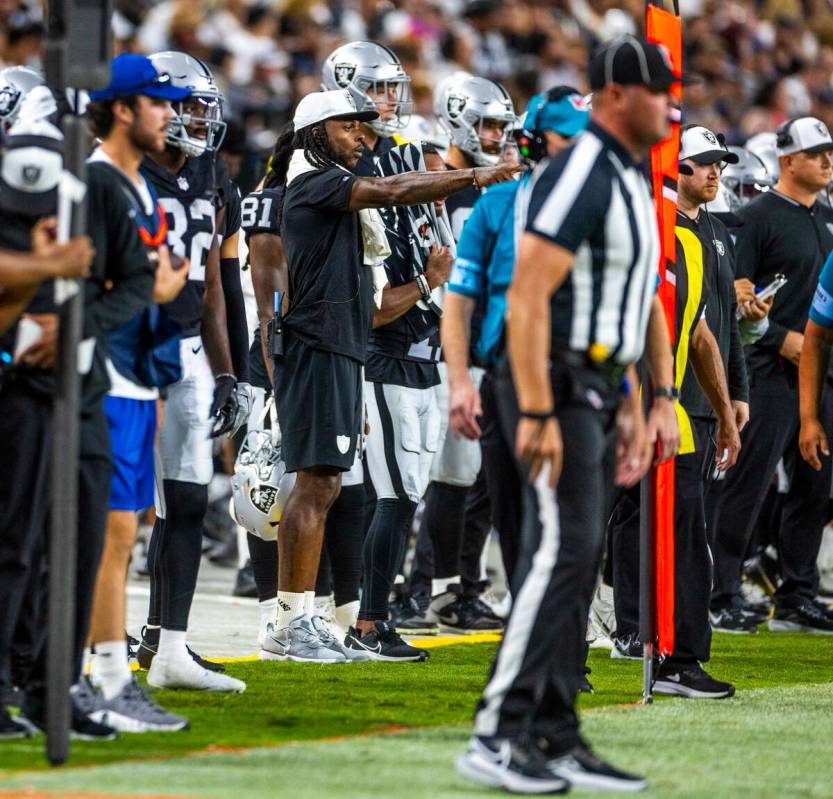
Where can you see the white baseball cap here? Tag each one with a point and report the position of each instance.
(336, 104)
(803, 135)
(701, 145)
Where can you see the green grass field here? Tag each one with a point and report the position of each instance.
(302, 731)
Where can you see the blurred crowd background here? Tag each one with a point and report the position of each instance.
(754, 64)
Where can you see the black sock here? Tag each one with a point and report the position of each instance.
(180, 550)
(382, 554)
(444, 516)
(155, 601)
(264, 557)
(323, 581)
(343, 537)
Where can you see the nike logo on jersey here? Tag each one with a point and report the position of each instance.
(195, 350)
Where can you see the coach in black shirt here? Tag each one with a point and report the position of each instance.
(785, 230)
(335, 247)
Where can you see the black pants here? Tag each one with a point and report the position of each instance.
(537, 672)
(772, 434)
(504, 476)
(692, 558)
(25, 422)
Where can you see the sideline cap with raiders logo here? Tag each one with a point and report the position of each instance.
(632, 62)
(699, 144)
(803, 135)
(31, 168)
(336, 104)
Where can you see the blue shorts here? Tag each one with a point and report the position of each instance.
(132, 425)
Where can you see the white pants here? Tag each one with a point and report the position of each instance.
(458, 459)
(185, 448)
(404, 433)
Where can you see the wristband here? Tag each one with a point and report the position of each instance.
(422, 285)
(668, 392)
(537, 417)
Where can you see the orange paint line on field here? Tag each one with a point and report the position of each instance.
(30, 793)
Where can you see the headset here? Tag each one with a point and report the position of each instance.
(783, 137)
(531, 142)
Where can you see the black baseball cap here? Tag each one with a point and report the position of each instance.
(629, 61)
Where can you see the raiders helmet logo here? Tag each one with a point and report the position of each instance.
(710, 137)
(455, 105)
(263, 497)
(8, 98)
(344, 74)
(31, 174)
(822, 129)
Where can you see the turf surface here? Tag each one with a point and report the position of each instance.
(768, 733)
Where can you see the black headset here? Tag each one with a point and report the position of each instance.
(531, 142)
(783, 137)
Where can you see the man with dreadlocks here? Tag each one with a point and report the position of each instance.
(335, 246)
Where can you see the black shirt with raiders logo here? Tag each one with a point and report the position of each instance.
(330, 288)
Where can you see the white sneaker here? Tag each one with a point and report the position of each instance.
(325, 609)
(329, 639)
(187, 674)
(300, 642)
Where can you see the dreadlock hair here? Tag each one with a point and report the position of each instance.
(312, 140)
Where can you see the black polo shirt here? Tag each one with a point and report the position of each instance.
(330, 288)
(780, 235)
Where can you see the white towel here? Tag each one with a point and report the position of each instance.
(376, 247)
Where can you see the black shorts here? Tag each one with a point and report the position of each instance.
(320, 401)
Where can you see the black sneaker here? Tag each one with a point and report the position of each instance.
(757, 611)
(463, 614)
(82, 727)
(690, 681)
(10, 728)
(132, 645)
(514, 765)
(383, 643)
(807, 617)
(409, 616)
(11, 696)
(244, 584)
(586, 686)
(627, 647)
(580, 767)
(824, 607)
(150, 644)
(732, 620)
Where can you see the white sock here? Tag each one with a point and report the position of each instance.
(290, 606)
(87, 661)
(110, 669)
(242, 547)
(347, 614)
(268, 611)
(439, 585)
(172, 645)
(309, 603)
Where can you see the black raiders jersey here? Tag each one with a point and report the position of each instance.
(190, 204)
(459, 207)
(259, 212)
(366, 167)
(231, 202)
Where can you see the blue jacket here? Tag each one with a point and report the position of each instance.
(485, 261)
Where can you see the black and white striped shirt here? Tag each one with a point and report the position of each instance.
(594, 201)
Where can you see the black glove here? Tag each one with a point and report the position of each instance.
(224, 406)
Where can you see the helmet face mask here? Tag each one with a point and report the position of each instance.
(470, 110)
(746, 179)
(197, 126)
(376, 80)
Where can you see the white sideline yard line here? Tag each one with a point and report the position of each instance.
(221, 599)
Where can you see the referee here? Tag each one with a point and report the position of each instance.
(579, 308)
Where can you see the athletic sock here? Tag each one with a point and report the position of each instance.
(347, 614)
(110, 669)
(268, 611)
(290, 606)
(172, 645)
(439, 585)
(309, 603)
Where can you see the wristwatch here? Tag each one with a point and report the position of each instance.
(669, 392)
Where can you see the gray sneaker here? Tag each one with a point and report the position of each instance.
(300, 642)
(329, 640)
(85, 696)
(132, 710)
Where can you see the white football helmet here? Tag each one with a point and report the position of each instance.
(462, 102)
(419, 129)
(15, 83)
(747, 178)
(260, 485)
(197, 126)
(362, 67)
(763, 145)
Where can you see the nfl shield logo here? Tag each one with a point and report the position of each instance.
(182, 182)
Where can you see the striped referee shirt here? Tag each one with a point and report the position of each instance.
(594, 201)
